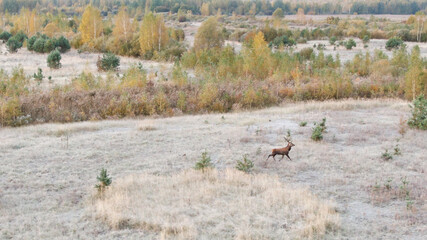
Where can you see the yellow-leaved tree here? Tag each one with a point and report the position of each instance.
(258, 58)
(51, 29)
(208, 35)
(204, 9)
(415, 80)
(153, 34)
(35, 23)
(28, 22)
(123, 28)
(91, 26)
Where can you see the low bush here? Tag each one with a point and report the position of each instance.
(39, 75)
(108, 62)
(30, 43)
(282, 41)
(319, 128)
(393, 43)
(54, 59)
(62, 44)
(38, 45)
(49, 46)
(20, 36)
(306, 53)
(332, 40)
(245, 165)
(386, 155)
(13, 45)
(366, 39)
(5, 35)
(349, 44)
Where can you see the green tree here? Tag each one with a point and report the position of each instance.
(49, 45)
(393, 43)
(63, 44)
(54, 59)
(108, 62)
(5, 35)
(30, 42)
(38, 45)
(350, 44)
(278, 13)
(13, 44)
(419, 113)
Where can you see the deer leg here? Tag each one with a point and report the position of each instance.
(282, 157)
(288, 157)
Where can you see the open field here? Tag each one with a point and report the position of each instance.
(48, 171)
(394, 18)
(73, 64)
(347, 55)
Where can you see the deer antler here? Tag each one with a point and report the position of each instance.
(287, 139)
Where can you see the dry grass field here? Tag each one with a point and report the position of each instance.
(340, 184)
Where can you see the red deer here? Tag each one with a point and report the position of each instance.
(281, 151)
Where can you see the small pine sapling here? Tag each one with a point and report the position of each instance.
(386, 155)
(319, 128)
(245, 165)
(204, 162)
(104, 181)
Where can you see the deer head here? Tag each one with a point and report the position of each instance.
(289, 142)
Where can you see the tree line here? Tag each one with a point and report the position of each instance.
(241, 7)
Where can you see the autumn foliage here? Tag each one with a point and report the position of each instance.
(91, 26)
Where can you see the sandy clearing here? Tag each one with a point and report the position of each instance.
(73, 64)
(394, 18)
(46, 185)
(346, 55)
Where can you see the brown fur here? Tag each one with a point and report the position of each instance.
(281, 151)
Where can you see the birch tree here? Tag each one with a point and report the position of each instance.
(153, 34)
(91, 26)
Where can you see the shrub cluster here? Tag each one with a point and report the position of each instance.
(43, 44)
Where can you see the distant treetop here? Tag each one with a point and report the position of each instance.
(240, 7)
